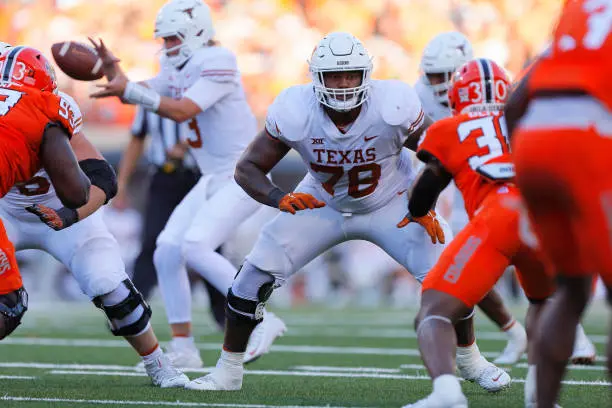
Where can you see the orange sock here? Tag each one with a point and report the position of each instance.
(150, 351)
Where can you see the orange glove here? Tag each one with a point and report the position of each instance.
(293, 202)
(429, 222)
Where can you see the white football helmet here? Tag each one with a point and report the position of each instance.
(340, 51)
(190, 20)
(443, 55)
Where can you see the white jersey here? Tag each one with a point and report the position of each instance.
(434, 109)
(38, 190)
(360, 170)
(219, 134)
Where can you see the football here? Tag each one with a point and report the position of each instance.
(77, 60)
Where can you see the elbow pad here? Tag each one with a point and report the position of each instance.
(101, 175)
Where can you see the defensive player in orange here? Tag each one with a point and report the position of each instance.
(470, 148)
(562, 149)
(35, 131)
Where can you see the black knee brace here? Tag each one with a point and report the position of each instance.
(248, 311)
(13, 306)
(123, 309)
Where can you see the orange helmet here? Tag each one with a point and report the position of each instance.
(26, 66)
(480, 85)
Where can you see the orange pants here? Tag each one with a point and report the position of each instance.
(10, 278)
(477, 257)
(565, 177)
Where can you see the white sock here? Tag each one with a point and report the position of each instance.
(231, 359)
(173, 282)
(157, 353)
(446, 384)
(515, 331)
(212, 266)
(468, 355)
(530, 385)
(184, 342)
(580, 334)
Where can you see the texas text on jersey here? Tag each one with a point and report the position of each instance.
(362, 169)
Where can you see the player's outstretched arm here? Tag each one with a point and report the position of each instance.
(58, 159)
(103, 187)
(412, 142)
(256, 162)
(433, 179)
(179, 110)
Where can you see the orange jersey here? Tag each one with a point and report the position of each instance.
(581, 53)
(24, 116)
(466, 145)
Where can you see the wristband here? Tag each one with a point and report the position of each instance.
(138, 94)
(276, 195)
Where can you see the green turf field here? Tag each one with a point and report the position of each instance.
(329, 358)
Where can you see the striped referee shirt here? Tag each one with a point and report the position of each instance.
(165, 133)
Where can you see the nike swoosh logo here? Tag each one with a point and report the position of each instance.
(368, 138)
(401, 192)
(497, 378)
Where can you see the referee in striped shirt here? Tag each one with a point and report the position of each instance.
(174, 173)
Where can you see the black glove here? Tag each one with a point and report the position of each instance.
(56, 219)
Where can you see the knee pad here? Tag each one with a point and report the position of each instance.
(127, 312)
(13, 306)
(259, 288)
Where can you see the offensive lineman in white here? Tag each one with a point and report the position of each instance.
(79, 239)
(199, 85)
(351, 133)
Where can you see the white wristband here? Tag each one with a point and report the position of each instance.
(141, 95)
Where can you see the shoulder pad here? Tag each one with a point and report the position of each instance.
(215, 58)
(397, 100)
(292, 110)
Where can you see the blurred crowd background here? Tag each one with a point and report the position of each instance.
(273, 39)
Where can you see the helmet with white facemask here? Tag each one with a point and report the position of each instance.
(443, 55)
(338, 52)
(190, 21)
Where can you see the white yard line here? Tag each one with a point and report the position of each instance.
(300, 368)
(313, 374)
(154, 403)
(17, 377)
(112, 343)
(347, 369)
(298, 371)
(391, 333)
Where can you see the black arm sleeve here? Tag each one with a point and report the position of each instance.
(101, 175)
(428, 186)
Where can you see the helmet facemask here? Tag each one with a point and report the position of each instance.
(442, 85)
(341, 99)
